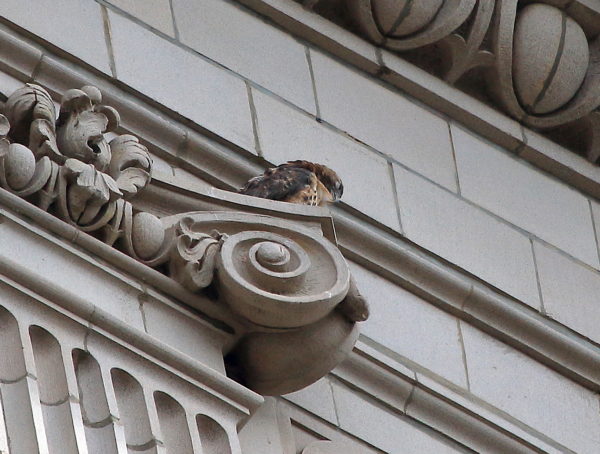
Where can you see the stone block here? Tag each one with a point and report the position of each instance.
(262, 433)
(411, 327)
(524, 196)
(529, 392)
(287, 134)
(384, 119)
(156, 13)
(246, 44)
(332, 447)
(76, 27)
(570, 291)
(439, 95)
(549, 156)
(9, 84)
(183, 332)
(467, 236)
(389, 432)
(317, 399)
(182, 81)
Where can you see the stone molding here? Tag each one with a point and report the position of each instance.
(459, 417)
(361, 240)
(540, 59)
(472, 300)
(480, 116)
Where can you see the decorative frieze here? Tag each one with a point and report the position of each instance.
(280, 281)
(540, 61)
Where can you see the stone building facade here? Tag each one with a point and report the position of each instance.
(149, 315)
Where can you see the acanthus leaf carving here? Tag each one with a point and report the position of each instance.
(130, 165)
(85, 191)
(194, 256)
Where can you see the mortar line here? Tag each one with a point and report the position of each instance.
(313, 82)
(395, 194)
(174, 21)
(537, 279)
(335, 409)
(596, 232)
(141, 300)
(461, 339)
(254, 117)
(108, 40)
(458, 190)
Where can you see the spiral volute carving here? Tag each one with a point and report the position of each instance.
(274, 281)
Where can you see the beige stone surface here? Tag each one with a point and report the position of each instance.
(156, 13)
(384, 119)
(8, 83)
(530, 392)
(387, 431)
(182, 81)
(70, 272)
(76, 27)
(246, 44)
(411, 327)
(286, 134)
(183, 332)
(331, 447)
(466, 236)
(262, 434)
(317, 399)
(524, 196)
(570, 291)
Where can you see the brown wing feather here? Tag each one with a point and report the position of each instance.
(284, 183)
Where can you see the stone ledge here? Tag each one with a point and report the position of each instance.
(436, 405)
(470, 299)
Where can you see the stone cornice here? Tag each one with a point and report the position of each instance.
(361, 239)
(433, 91)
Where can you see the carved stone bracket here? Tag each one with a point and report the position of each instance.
(540, 60)
(287, 287)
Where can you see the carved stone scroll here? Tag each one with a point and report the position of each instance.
(271, 272)
(286, 284)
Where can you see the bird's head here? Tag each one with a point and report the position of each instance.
(327, 177)
(330, 180)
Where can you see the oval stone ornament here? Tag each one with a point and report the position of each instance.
(19, 165)
(398, 18)
(147, 234)
(550, 58)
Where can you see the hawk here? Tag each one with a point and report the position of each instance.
(302, 182)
